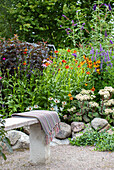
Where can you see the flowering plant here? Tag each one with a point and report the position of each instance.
(88, 109)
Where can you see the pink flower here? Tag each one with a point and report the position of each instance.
(0, 78)
(4, 58)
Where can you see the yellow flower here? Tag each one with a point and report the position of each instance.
(98, 62)
(85, 84)
(60, 63)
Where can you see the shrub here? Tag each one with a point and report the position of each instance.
(101, 140)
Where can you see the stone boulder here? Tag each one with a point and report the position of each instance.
(77, 126)
(18, 139)
(59, 142)
(64, 132)
(78, 134)
(107, 127)
(99, 123)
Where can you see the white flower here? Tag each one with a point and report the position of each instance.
(68, 110)
(103, 92)
(44, 61)
(50, 98)
(61, 109)
(110, 89)
(36, 106)
(52, 108)
(64, 103)
(83, 97)
(93, 104)
(108, 111)
(57, 101)
(29, 108)
(109, 102)
(65, 116)
(74, 108)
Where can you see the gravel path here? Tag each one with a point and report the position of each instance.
(63, 157)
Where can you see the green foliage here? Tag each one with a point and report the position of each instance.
(4, 141)
(101, 140)
(37, 20)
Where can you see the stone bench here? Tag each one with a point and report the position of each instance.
(39, 150)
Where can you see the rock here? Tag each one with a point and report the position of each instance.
(18, 139)
(105, 128)
(99, 123)
(78, 134)
(26, 130)
(13, 136)
(74, 135)
(65, 131)
(77, 126)
(59, 142)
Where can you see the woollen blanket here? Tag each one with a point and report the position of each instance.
(49, 121)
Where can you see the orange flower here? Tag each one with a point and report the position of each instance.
(93, 89)
(87, 72)
(74, 51)
(71, 98)
(71, 68)
(26, 49)
(68, 50)
(24, 63)
(85, 84)
(47, 64)
(67, 67)
(69, 94)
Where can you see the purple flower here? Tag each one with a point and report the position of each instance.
(95, 58)
(101, 49)
(105, 5)
(109, 6)
(64, 16)
(83, 24)
(106, 34)
(72, 21)
(94, 7)
(111, 42)
(92, 58)
(60, 25)
(92, 51)
(105, 59)
(82, 27)
(111, 64)
(97, 52)
(69, 29)
(74, 54)
(101, 64)
(75, 24)
(95, 69)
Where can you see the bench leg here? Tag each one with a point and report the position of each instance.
(39, 151)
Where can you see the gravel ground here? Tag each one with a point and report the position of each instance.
(63, 157)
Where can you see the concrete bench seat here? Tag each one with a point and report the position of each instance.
(39, 150)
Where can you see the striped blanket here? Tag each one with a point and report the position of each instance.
(49, 121)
